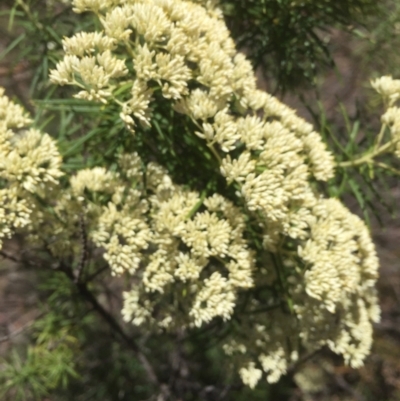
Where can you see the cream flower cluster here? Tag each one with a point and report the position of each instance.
(90, 64)
(335, 298)
(201, 256)
(392, 119)
(389, 89)
(347, 332)
(266, 344)
(331, 281)
(341, 255)
(181, 52)
(29, 164)
(14, 213)
(173, 243)
(176, 43)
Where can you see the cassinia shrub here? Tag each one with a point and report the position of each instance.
(296, 268)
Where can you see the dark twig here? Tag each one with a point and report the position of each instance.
(9, 257)
(225, 392)
(20, 261)
(9, 336)
(293, 368)
(344, 385)
(265, 309)
(88, 296)
(95, 274)
(85, 253)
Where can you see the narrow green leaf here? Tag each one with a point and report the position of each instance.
(357, 193)
(79, 142)
(345, 116)
(11, 18)
(12, 45)
(352, 137)
(46, 122)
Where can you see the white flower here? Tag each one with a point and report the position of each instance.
(388, 88)
(216, 298)
(250, 375)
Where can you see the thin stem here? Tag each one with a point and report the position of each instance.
(95, 274)
(368, 158)
(9, 336)
(210, 145)
(196, 206)
(29, 14)
(10, 257)
(215, 153)
(265, 309)
(294, 367)
(387, 167)
(380, 136)
(85, 253)
(282, 283)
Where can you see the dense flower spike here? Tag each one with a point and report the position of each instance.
(389, 89)
(205, 237)
(29, 165)
(340, 253)
(180, 52)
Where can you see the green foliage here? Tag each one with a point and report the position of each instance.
(47, 365)
(379, 36)
(355, 137)
(285, 38)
